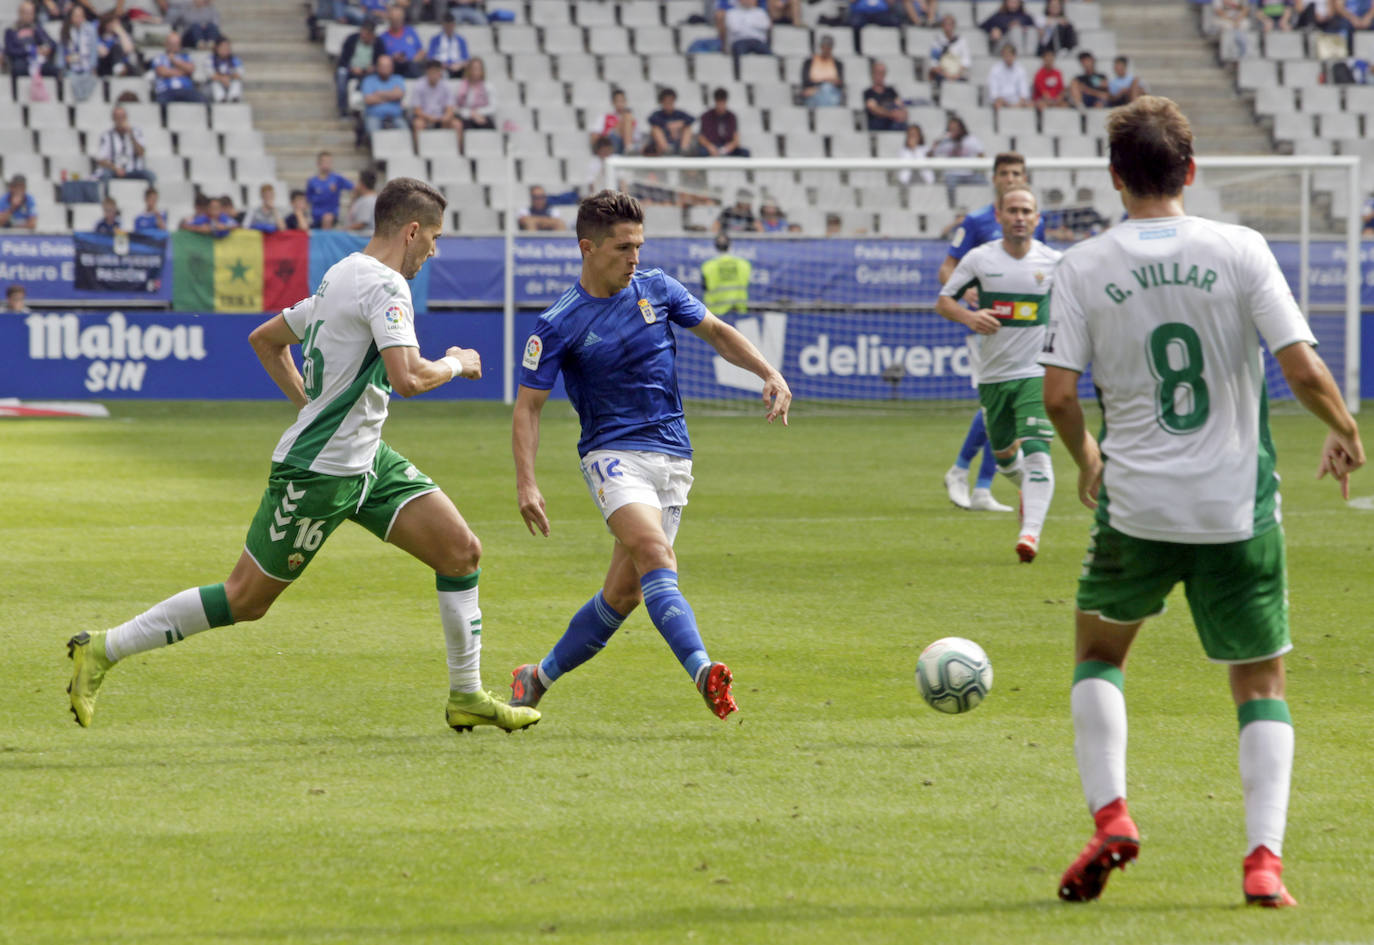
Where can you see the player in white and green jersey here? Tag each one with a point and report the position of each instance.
(357, 337)
(1169, 311)
(1013, 276)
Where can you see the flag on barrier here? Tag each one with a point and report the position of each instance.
(245, 271)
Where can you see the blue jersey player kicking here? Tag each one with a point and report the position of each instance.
(612, 337)
(979, 227)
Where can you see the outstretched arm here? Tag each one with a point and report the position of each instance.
(740, 351)
(525, 444)
(272, 341)
(411, 374)
(1066, 413)
(1313, 385)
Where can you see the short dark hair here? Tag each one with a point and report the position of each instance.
(665, 91)
(14, 289)
(599, 213)
(1150, 144)
(368, 177)
(297, 193)
(406, 200)
(150, 192)
(720, 95)
(1008, 157)
(1123, 60)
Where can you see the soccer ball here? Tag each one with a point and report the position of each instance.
(954, 674)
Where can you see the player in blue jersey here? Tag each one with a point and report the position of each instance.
(979, 227)
(612, 335)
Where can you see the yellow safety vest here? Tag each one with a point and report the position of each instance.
(726, 281)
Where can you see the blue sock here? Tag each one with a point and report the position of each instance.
(587, 633)
(987, 468)
(673, 616)
(977, 439)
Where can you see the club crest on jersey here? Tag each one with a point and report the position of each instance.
(533, 349)
(647, 310)
(395, 317)
(295, 560)
(1039, 277)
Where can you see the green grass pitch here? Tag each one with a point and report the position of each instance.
(293, 781)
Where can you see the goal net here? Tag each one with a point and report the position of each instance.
(845, 273)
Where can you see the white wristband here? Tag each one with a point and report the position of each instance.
(455, 367)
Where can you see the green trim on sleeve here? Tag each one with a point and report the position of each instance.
(1096, 669)
(1260, 710)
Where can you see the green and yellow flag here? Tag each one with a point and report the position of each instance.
(217, 275)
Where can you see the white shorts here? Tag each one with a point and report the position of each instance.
(619, 477)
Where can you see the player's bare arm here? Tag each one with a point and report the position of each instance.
(1066, 413)
(272, 341)
(529, 402)
(411, 374)
(1315, 388)
(981, 321)
(740, 351)
(947, 269)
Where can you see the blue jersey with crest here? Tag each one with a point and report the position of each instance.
(981, 227)
(619, 362)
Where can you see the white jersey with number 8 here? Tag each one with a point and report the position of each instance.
(1169, 313)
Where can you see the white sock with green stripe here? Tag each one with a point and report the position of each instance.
(1013, 468)
(462, 620)
(1098, 703)
(171, 621)
(1036, 492)
(1266, 770)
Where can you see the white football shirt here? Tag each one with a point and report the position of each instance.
(1169, 312)
(361, 307)
(1017, 291)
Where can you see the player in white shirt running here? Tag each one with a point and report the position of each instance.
(1013, 277)
(357, 337)
(1169, 311)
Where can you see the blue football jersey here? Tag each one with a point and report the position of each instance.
(619, 362)
(981, 227)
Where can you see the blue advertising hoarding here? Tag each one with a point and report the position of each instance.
(46, 267)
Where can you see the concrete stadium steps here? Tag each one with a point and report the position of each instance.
(291, 88)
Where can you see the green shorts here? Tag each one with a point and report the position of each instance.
(1015, 410)
(300, 509)
(1237, 592)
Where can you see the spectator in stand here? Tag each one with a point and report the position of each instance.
(885, 13)
(80, 52)
(1048, 90)
(118, 54)
(779, 11)
(215, 221)
(16, 299)
(822, 77)
(266, 217)
(1278, 14)
(746, 29)
(1233, 24)
(340, 11)
(57, 10)
(432, 104)
(300, 216)
(474, 99)
(363, 209)
(109, 224)
(199, 24)
(1089, 88)
(449, 49)
(914, 148)
(1008, 84)
(1123, 87)
(226, 206)
(151, 219)
(958, 142)
(357, 60)
(323, 191)
(670, 128)
(719, 134)
(833, 225)
(739, 216)
(771, 217)
(202, 208)
(119, 153)
(383, 92)
(539, 215)
(17, 208)
(1008, 16)
(597, 176)
(402, 44)
(226, 73)
(1359, 14)
(1077, 221)
(950, 54)
(28, 45)
(882, 105)
(468, 11)
(619, 126)
(1056, 32)
(174, 69)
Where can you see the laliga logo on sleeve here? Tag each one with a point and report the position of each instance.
(533, 349)
(647, 311)
(395, 318)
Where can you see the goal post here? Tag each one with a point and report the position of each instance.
(849, 313)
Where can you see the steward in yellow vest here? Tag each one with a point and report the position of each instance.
(725, 281)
